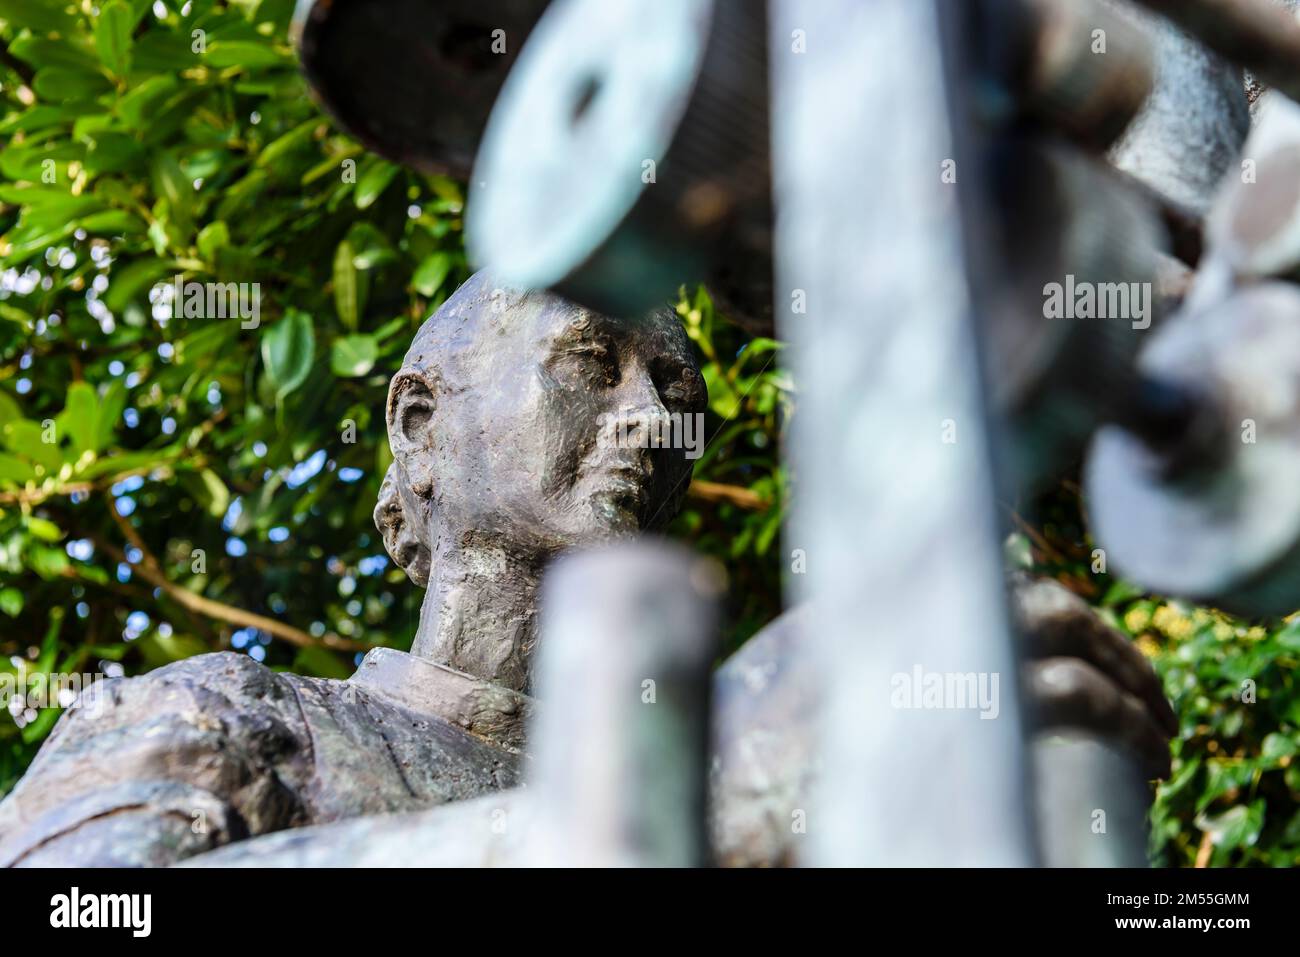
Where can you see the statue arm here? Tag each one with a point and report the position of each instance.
(1077, 673)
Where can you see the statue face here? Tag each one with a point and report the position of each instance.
(402, 539)
(552, 426)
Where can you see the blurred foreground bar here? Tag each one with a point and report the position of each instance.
(897, 522)
(629, 637)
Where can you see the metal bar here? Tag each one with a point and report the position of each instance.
(897, 521)
(1253, 33)
(621, 745)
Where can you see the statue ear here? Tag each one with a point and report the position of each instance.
(411, 403)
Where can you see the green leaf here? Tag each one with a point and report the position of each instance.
(1289, 637)
(353, 356)
(15, 470)
(42, 52)
(25, 163)
(1278, 746)
(26, 438)
(171, 183)
(44, 529)
(81, 411)
(768, 532)
(723, 399)
(1120, 592)
(212, 238)
(373, 182)
(11, 602)
(60, 84)
(210, 339)
(1237, 827)
(288, 348)
(159, 650)
(1181, 779)
(109, 412)
(431, 273)
(294, 139)
(162, 51)
(88, 125)
(113, 37)
(42, 16)
(14, 314)
(158, 237)
(240, 53)
(119, 465)
(50, 202)
(9, 410)
(131, 282)
(218, 496)
(111, 222)
(37, 117)
(240, 196)
(49, 563)
(112, 153)
(135, 105)
(345, 285)
(370, 247)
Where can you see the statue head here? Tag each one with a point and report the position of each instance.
(523, 422)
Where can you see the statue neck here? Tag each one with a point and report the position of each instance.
(479, 613)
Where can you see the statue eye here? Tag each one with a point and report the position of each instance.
(594, 358)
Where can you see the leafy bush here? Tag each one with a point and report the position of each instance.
(1233, 797)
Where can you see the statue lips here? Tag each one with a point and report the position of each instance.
(624, 484)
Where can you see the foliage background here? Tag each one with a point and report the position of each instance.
(132, 154)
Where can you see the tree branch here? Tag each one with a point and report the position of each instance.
(732, 494)
(150, 570)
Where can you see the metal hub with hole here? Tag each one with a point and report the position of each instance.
(1226, 531)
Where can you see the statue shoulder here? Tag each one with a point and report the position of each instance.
(224, 699)
(218, 748)
(148, 769)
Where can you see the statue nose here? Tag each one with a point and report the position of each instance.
(645, 426)
(642, 414)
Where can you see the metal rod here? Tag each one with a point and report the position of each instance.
(897, 523)
(1254, 33)
(621, 747)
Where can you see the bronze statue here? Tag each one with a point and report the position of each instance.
(495, 420)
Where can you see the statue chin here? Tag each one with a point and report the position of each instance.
(618, 513)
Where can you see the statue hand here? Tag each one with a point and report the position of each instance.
(1079, 672)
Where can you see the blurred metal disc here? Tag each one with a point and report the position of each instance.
(629, 142)
(1227, 533)
(413, 80)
